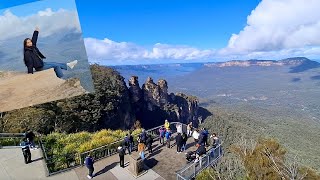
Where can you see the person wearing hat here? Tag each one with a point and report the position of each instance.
(166, 124)
(121, 155)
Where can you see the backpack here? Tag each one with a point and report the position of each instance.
(167, 135)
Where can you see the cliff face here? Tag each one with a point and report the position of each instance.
(153, 104)
(112, 105)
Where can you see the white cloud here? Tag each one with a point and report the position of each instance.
(277, 25)
(48, 21)
(275, 29)
(108, 51)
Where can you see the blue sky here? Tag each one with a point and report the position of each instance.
(181, 22)
(23, 8)
(167, 31)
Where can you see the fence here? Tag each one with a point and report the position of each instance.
(10, 140)
(58, 164)
(192, 169)
(111, 149)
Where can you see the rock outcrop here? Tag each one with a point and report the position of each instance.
(18, 90)
(157, 105)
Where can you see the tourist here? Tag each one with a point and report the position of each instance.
(184, 141)
(189, 129)
(195, 135)
(141, 149)
(200, 151)
(25, 146)
(121, 152)
(89, 164)
(131, 142)
(162, 132)
(143, 136)
(217, 150)
(179, 128)
(126, 143)
(206, 135)
(179, 142)
(33, 58)
(167, 124)
(29, 135)
(149, 142)
(168, 138)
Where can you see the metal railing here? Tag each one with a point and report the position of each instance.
(111, 149)
(194, 168)
(10, 140)
(71, 161)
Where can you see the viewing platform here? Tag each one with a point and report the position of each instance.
(163, 163)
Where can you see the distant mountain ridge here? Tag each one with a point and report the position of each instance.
(294, 61)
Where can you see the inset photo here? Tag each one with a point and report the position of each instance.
(42, 54)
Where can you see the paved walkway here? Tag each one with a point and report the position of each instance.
(162, 163)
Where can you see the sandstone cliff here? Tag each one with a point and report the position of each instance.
(18, 90)
(153, 104)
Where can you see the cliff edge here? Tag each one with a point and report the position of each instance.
(18, 90)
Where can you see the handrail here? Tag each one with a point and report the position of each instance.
(14, 140)
(102, 151)
(121, 139)
(190, 170)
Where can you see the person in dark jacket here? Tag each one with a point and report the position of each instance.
(184, 141)
(149, 142)
(201, 138)
(33, 58)
(29, 135)
(143, 137)
(89, 164)
(26, 150)
(179, 142)
(200, 151)
(121, 152)
(131, 142)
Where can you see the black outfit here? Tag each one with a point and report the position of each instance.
(184, 139)
(143, 137)
(32, 56)
(179, 142)
(201, 139)
(26, 152)
(201, 150)
(149, 142)
(121, 155)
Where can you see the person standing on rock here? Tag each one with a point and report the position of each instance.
(89, 164)
(25, 146)
(33, 58)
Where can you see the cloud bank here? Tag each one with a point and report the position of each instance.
(109, 50)
(48, 21)
(275, 29)
(277, 25)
